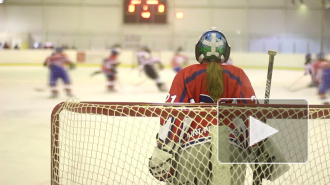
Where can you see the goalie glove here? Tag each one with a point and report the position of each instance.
(162, 163)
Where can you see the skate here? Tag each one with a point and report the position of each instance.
(54, 95)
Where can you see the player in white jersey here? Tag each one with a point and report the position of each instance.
(147, 64)
(140, 56)
(309, 70)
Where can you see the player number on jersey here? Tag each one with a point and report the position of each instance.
(173, 97)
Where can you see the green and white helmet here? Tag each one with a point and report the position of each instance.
(212, 45)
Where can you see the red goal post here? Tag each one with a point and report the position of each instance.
(111, 142)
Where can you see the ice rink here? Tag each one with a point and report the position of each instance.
(25, 110)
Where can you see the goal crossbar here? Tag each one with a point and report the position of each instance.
(142, 109)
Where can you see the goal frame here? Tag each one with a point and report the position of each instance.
(156, 110)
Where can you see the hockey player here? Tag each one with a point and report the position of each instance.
(109, 68)
(179, 60)
(309, 69)
(147, 64)
(56, 64)
(140, 55)
(205, 82)
(317, 71)
(324, 82)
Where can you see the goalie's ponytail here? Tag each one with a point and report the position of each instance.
(214, 80)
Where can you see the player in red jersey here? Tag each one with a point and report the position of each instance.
(109, 68)
(56, 64)
(206, 82)
(179, 60)
(317, 70)
(324, 86)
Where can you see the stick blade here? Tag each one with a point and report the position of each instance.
(38, 89)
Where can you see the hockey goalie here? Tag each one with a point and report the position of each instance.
(185, 151)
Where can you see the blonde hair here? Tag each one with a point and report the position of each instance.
(214, 80)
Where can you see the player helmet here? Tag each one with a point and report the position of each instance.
(145, 48)
(179, 50)
(115, 51)
(58, 50)
(212, 45)
(320, 56)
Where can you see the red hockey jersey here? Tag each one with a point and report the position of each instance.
(189, 86)
(57, 59)
(109, 64)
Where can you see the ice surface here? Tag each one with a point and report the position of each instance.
(25, 109)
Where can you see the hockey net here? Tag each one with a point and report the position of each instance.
(111, 143)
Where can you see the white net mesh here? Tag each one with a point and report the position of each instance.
(111, 143)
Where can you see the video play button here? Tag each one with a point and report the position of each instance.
(259, 131)
(284, 134)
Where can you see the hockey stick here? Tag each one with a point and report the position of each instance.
(141, 82)
(293, 88)
(39, 89)
(257, 173)
(141, 74)
(271, 54)
(95, 73)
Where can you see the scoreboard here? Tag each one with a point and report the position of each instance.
(145, 11)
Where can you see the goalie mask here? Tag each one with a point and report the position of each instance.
(212, 45)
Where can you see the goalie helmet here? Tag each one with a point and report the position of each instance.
(212, 45)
